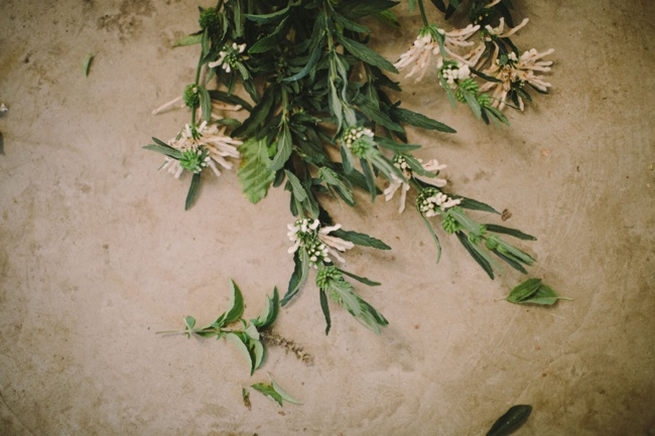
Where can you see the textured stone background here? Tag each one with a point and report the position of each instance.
(97, 253)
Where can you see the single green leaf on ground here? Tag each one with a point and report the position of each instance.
(511, 420)
(87, 63)
(524, 290)
(533, 291)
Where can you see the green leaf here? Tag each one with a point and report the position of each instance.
(229, 98)
(365, 54)
(286, 397)
(296, 186)
(205, 103)
(469, 203)
(87, 63)
(269, 313)
(259, 353)
(435, 238)
(370, 179)
(388, 18)
(475, 252)
(188, 40)
(326, 310)
(395, 146)
(511, 420)
(473, 104)
(273, 16)
(360, 239)
(165, 149)
(254, 172)
(193, 191)
(361, 8)
(361, 279)
(268, 42)
(419, 120)
(268, 391)
(524, 290)
(236, 308)
(376, 115)
(190, 322)
(284, 148)
(299, 275)
(544, 296)
(509, 231)
(239, 343)
(351, 25)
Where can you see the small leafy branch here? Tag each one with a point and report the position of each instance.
(245, 335)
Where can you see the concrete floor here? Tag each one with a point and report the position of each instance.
(97, 253)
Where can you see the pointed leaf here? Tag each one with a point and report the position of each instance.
(236, 308)
(326, 310)
(511, 420)
(360, 239)
(286, 397)
(193, 191)
(242, 347)
(268, 391)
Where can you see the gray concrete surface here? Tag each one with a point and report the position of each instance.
(97, 253)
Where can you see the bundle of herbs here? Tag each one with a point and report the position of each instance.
(322, 122)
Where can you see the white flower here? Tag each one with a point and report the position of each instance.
(454, 73)
(499, 30)
(316, 241)
(425, 47)
(401, 163)
(228, 57)
(207, 137)
(3, 108)
(517, 72)
(432, 202)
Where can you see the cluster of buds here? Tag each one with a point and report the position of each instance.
(432, 202)
(304, 233)
(358, 139)
(327, 275)
(195, 159)
(229, 57)
(454, 72)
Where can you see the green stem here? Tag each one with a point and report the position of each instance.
(197, 79)
(423, 16)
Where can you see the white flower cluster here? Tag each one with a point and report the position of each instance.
(400, 162)
(228, 57)
(432, 205)
(454, 73)
(425, 47)
(316, 241)
(352, 134)
(208, 139)
(517, 71)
